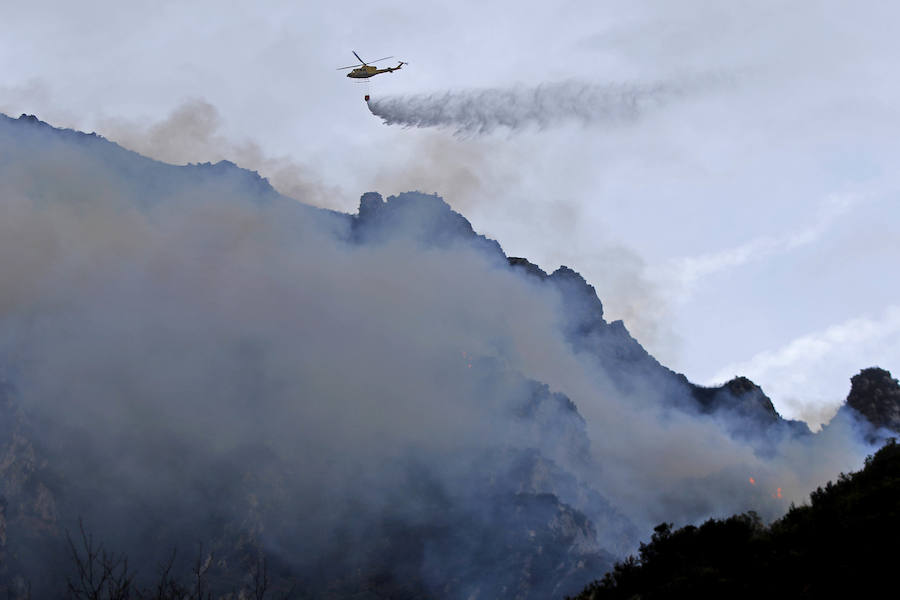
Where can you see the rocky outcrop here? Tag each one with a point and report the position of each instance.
(875, 395)
(425, 218)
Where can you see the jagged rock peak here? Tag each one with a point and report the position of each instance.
(875, 394)
(739, 396)
(581, 295)
(426, 218)
(373, 203)
(743, 387)
(249, 180)
(529, 267)
(369, 203)
(32, 120)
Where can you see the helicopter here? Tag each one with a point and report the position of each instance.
(364, 70)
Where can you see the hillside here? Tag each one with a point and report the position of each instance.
(378, 404)
(840, 544)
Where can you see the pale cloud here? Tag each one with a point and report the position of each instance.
(807, 377)
(685, 273)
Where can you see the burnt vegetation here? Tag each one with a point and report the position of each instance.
(97, 574)
(844, 543)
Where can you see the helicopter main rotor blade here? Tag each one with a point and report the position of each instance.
(381, 59)
(350, 67)
(357, 57)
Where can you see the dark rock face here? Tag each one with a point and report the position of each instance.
(493, 545)
(426, 218)
(628, 365)
(741, 396)
(29, 516)
(875, 395)
(630, 368)
(634, 371)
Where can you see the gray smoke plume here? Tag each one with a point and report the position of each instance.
(484, 110)
(192, 133)
(205, 360)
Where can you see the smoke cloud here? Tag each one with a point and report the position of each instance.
(547, 105)
(192, 133)
(204, 358)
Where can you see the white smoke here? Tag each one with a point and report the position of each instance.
(482, 111)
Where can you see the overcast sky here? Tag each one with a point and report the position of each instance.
(747, 225)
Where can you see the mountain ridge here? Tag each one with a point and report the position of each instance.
(530, 470)
(374, 213)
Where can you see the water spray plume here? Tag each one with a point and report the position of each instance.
(481, 111)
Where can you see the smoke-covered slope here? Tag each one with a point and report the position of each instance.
(379, 404)
(840, 545)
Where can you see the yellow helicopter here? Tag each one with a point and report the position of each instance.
(364, 70)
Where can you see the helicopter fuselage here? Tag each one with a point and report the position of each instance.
(367, 71)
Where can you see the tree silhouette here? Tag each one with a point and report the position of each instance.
(844, 543)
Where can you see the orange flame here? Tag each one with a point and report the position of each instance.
(752, 481)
